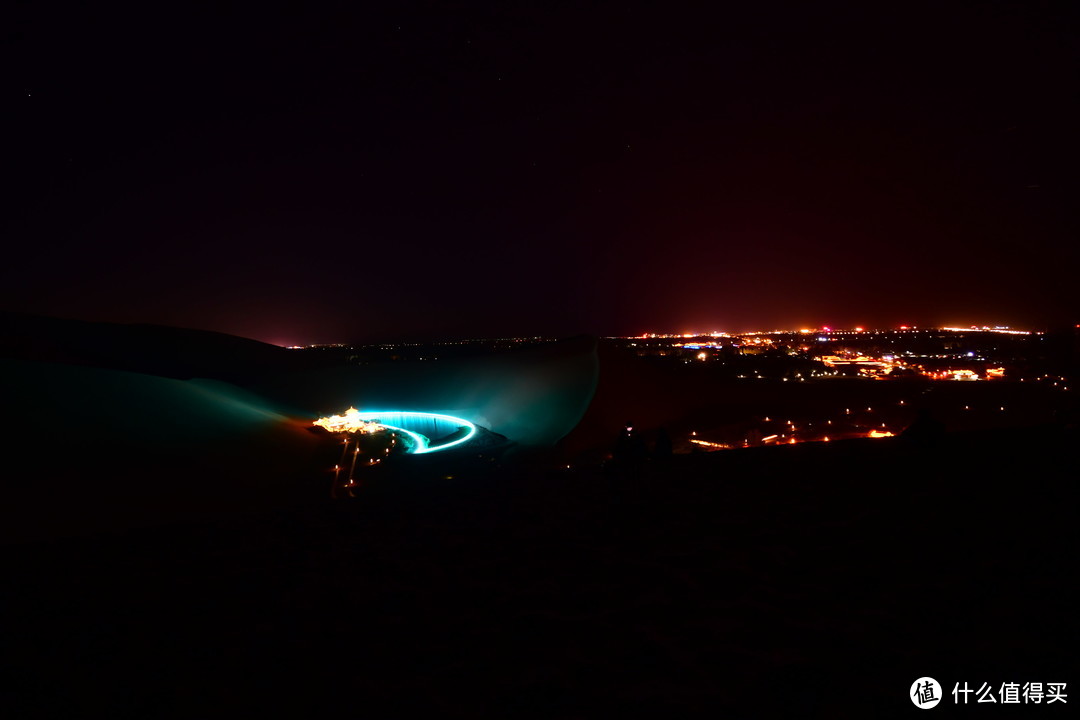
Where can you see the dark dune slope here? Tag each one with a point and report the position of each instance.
(151, 349)
(88, 449)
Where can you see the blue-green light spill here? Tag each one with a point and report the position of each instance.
(394, 419)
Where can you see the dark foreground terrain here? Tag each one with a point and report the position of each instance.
(813, 580)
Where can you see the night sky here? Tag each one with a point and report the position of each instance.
(332, 172)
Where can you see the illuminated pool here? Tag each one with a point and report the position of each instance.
(446, 431)
(424, 428)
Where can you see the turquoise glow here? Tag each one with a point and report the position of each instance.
(394, 419)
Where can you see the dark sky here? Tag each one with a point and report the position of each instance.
(328, 172)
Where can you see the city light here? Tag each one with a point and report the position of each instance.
(706, 443)
(1001, 330)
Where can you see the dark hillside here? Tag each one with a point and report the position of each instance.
(811, 581)
(180, 353)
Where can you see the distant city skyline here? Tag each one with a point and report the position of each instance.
(716, 333)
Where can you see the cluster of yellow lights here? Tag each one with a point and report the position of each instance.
(834, 360)
(350, 422)
(788, 441)
(953, 375)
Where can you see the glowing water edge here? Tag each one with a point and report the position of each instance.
(420, 426)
